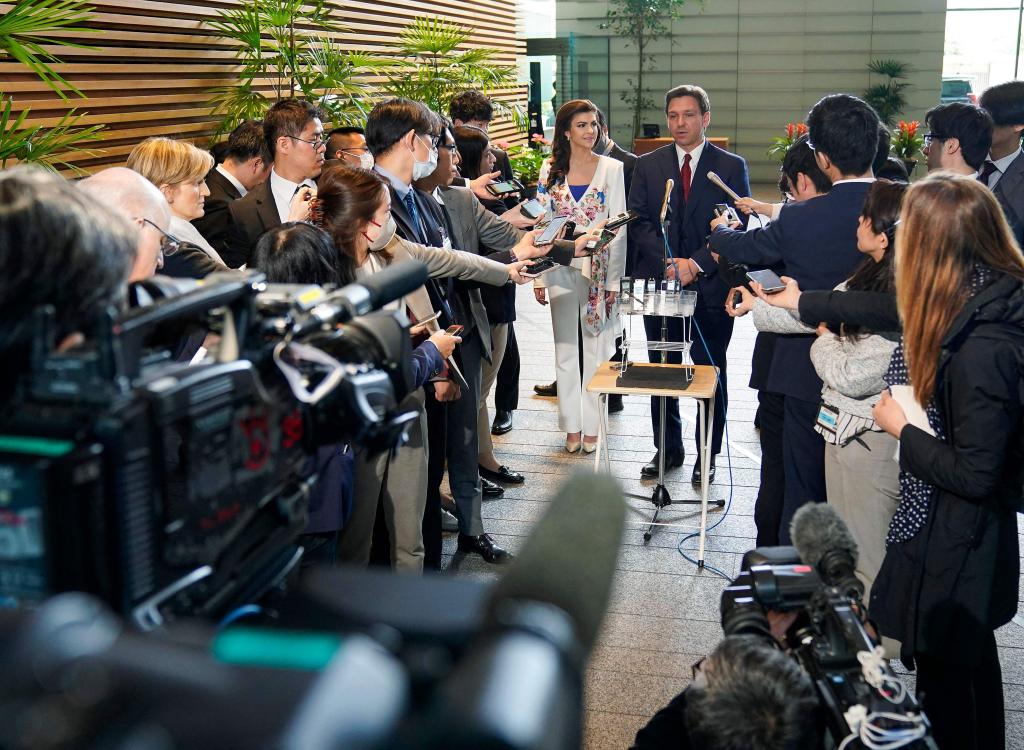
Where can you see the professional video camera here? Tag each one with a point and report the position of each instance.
(169, 488)
(358, 660)
(860, 697)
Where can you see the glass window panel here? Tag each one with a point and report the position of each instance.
(980, 51)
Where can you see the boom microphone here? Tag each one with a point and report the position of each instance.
(824, 541)
(669, 184)
(713, 177)
(520, 683)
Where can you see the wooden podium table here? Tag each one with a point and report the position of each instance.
(702, 388)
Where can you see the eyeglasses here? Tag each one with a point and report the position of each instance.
(446, 146)
(929, 137)
(169, 244)
(434, 139)
(355, 150)
(316, 143)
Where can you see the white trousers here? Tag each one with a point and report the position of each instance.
(567, 294)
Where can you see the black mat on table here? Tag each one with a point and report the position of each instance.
(653, 376)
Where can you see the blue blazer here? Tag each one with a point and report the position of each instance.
(816, 243)
(688, 225)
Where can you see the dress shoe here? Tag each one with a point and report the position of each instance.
(573, 446)
(550, 390)
(502, 422)
(615, 403)
(490, 489)
(589, 447)
(672, 460)
(695, 477)
(449, 522)
(484, 546)
(503, 474)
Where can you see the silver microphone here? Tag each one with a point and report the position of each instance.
(722, 186)
(669, 184)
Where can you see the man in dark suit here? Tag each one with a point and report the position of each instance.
(958, 139)
(474, 109)
(403, 137)
(246, 165)
(294, 135)
(816, 242)
(1003, 171)
(686, 162)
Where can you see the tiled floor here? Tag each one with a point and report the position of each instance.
(663, 614)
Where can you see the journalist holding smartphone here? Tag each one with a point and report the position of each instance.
(587, 188)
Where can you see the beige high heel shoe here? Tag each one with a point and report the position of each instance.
(573, 446)
(589, 447)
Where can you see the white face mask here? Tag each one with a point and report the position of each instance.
(387, 232)
(421, 169)
(366, 160)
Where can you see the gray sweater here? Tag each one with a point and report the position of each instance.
(851, 370)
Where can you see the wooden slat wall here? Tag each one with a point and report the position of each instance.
(154, 62)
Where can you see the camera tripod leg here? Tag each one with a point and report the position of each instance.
(654, 521)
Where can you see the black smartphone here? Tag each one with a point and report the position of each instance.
(599, 244)
(539, 266)
(767, 279)
(620, 220)
(455, 330)
(532, 209)
(498, 189)
(551, 231)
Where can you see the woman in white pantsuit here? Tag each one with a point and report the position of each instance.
(588, 188)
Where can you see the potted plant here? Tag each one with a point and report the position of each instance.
(781, 144)
(527, 159)
(907, 143)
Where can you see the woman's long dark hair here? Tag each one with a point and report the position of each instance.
(562, 149)
(882, 209)
(347, 199)
(472, 144)
(297, 253)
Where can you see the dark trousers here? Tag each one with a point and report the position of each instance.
(452, 440)
(716, 326)
(803, 460)
(771, 489)
(319, 549)
(506, 387)
(964, 703)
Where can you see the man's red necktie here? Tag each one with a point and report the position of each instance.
(684, 173)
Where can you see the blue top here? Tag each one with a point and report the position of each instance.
(578, 191)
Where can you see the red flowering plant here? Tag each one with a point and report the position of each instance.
(527, 158)
(781, 144)
(907, 142)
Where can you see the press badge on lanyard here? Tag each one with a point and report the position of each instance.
(828, 418)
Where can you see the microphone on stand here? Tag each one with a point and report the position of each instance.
(669, 184)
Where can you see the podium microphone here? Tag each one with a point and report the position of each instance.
(669, 184)
(722, 186)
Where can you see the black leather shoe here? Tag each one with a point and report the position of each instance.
(484, 546)
(502, 422)
(503, 474)
(615, 403)
(672, 461)
(695, 477)
(490, 488)
(550, 390)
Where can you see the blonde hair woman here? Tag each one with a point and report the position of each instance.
(179, 170)
(950, 574)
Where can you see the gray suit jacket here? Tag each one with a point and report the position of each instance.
(1010, 192)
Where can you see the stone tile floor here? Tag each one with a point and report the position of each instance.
(663, 614)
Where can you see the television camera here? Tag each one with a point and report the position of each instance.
(170, 488)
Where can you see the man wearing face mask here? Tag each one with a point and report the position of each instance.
(348, 144)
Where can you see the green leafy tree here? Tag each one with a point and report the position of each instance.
(288, 43)
(23, 31)
(433, 67)
(887, 98)
(642, 23)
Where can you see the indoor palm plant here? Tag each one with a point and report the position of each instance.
(24, 29)
(289, 44)
(433, 66)
(887, 98)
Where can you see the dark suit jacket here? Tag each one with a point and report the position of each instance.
(1010, 193)
(214, 222)
(688, 224)
(251, 216)
(816, 241)
(628, 160)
